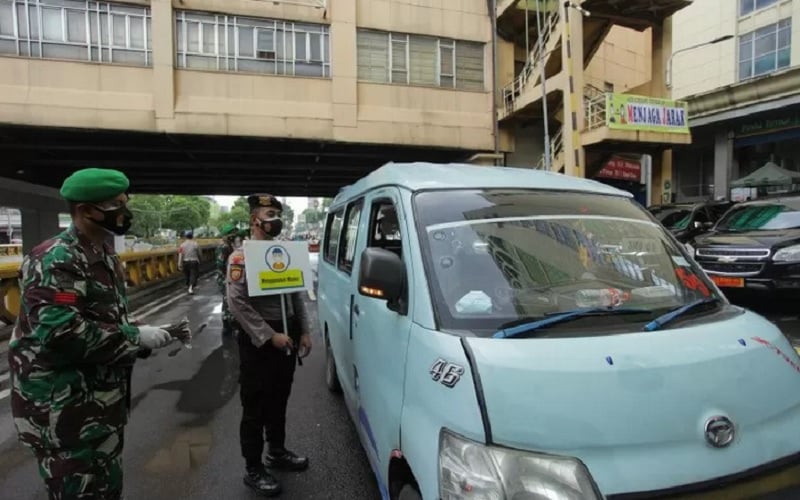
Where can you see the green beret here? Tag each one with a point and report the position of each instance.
(94, 185)
(227, 229)
(264, 200)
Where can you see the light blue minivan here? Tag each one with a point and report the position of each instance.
(502, 333)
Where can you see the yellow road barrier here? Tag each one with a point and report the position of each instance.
(142, 269)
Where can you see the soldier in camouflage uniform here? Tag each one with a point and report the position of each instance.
(224, 251)
(73, 346)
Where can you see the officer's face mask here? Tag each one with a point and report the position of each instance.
(271, 224)
(116, 220)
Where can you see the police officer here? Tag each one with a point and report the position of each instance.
(224, 251)
(73, 346)
(268, 356)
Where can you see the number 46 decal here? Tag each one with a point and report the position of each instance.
(448, 374)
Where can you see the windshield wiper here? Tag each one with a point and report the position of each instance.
(678, 312)
(532, 326)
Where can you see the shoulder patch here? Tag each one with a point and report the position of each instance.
(237, 259)
(236, 272)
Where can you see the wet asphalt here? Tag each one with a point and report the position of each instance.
(182, 438)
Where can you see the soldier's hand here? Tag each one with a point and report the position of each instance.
(281, 341)
(153, 337)
(305, 345)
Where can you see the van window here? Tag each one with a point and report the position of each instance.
(495, 257)
(333, 229)
(350, 237)
(385, 227)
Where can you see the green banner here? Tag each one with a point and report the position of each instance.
(634, 112)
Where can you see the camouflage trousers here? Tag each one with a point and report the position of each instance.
(93, 471)
(229, 324)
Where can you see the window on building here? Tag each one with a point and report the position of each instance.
(748, 6)
(419, 60)
(230, 43)
(78, 30)
(765, 50)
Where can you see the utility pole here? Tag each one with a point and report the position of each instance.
(541, 61)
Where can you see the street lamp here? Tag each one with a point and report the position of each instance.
(668, 76)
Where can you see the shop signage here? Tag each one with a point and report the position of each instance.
(770, 125)
(633, 112)
(621, 169)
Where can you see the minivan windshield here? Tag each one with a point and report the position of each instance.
(762, 216)
(497, 256)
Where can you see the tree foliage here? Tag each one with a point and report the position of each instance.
(239, 215)
(152, 213)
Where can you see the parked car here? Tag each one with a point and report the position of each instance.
(688, 220)
(507, 333)
(756, 246)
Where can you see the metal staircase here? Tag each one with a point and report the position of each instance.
(556, 153)
(531, 73)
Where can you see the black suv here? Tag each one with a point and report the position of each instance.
(755, 246)
(688, 220)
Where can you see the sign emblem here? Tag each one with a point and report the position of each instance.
(278, 259)
(719, 431)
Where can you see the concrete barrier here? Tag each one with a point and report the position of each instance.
(142, 270)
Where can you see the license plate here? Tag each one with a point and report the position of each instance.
(727, 282)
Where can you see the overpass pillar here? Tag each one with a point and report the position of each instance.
(37, 226)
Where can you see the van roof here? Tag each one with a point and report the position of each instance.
(422, 175)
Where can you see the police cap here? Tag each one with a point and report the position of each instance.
(93, 185)
(263, 200)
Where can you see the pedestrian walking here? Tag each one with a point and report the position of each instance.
(73, 346)
(229, 234)
(189, 261)
(268, 356)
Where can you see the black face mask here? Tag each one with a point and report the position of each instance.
(109, 221)
(271, 227)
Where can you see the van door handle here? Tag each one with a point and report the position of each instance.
(356, 310)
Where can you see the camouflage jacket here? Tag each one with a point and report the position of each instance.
(223, 252)
(72, 347)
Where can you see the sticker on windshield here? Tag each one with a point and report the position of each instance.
(679, 260)
(692, 282)
(448, 374)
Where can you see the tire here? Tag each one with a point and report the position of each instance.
(409, 492)
(331, 378)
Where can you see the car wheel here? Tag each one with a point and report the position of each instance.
(331, 379)
(409, 492)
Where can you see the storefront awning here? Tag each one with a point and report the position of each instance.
(768, 175)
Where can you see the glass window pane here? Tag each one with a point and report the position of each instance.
(51, 25)
(22, 21)
(266, 39)
(469, 66)
(745, 50)
(784, 58)
(373, 56)
(300, 44)
(137, 32)
(231, 41)
(764, 64)
(246, 42)
(446, 55)
(765, 44)
(193, 37)
(149, 23)
(118, 25)
(423, 60)
(316, 46)
(93, 28)
(104, 29)
(399, 55)
(7, 19)
(8, 47)
(745, 70)
(209, 42)
(745, 7)
(785, 37)
(34, 21)
(760, 4)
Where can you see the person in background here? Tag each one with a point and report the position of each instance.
(189, 261)
(224, 250)
(73, 346)
(268, 357)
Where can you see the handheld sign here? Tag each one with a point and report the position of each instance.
(277, 267)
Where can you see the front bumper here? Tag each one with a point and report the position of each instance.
(779, 480)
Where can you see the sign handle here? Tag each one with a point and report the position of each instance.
(283, 318)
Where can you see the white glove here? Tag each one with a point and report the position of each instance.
(153, 337)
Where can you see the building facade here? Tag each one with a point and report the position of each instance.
(366, 71)
(743, 92)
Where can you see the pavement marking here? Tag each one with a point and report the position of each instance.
(4, 393)
(312, 295)
(4, 376)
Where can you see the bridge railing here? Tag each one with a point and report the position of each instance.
(142, 269)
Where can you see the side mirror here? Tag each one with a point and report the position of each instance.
(381, 275)
(697, 225)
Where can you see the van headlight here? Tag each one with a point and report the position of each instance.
(788, 254)
(470, 470)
